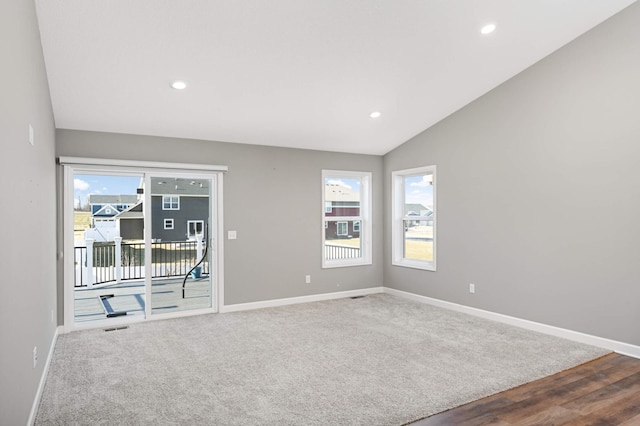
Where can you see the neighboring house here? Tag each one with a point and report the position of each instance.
(341, 201)
(105, 207)
(418, 210)
(179, 211)
(130, 223)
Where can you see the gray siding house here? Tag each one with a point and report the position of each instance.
(179, 211)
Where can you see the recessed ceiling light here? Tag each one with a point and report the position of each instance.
(179, 85)
(375, 114)
(488, 29)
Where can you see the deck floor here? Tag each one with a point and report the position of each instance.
(129, 297)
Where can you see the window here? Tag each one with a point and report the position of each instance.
(414, 218)
(346, 204)
(195, 227)
(168, 224)
(170, 202)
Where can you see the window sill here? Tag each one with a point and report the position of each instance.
(425, 266)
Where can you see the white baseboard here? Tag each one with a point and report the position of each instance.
(300, 299)
(43, 378)
(613, 345)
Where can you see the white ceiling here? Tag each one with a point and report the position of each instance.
(294, 73)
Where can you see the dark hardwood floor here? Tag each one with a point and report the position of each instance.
(605, 391)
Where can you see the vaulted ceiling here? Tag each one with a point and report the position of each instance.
(294, 73)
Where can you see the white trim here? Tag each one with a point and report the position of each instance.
(195, 227)
(143, 164)
(217, 258)
(107, 322)
(301, 299)
(365, 218)
(613, 345)
(43, 377)
(182, 314)
(69, 171)
(171, 202)
(398, 200)
(68, 270)
(147, 229)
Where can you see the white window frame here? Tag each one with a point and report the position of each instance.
(342, 224)
(365, 219)
(195, 222)
(169, 224)
(169, 200)
(398, 218)
(356, 226)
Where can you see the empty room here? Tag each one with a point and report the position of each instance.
(320, 212)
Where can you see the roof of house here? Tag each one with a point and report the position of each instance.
(419, 209)
(112, 199)
(134, 212)
(180, 186)
(106, 210)
(334, 192)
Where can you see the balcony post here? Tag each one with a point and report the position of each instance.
(90, 278)
(117, 262)
(198, 247)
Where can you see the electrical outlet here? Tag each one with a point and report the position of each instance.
(32, 139)
(307, 279)
(472, 288)
(35, 356)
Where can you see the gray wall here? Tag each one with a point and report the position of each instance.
(272, 198)
(538, 199)
(538, 191)
(27, 173)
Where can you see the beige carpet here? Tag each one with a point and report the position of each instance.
(377, 360)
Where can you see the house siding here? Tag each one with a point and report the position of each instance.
(191, 208)
(131, 229)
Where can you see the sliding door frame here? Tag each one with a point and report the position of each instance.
(73, 165)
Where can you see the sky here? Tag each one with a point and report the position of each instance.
(85, 185)
(419, 190)
(346, 182)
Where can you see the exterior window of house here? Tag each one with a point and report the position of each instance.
(170, 202)
(343, 229)
(194, 227)
(414, 218)
(168, 224)
(346, 217)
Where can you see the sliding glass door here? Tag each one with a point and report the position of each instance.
(138, 244)
(108, 251)
(181, 236)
